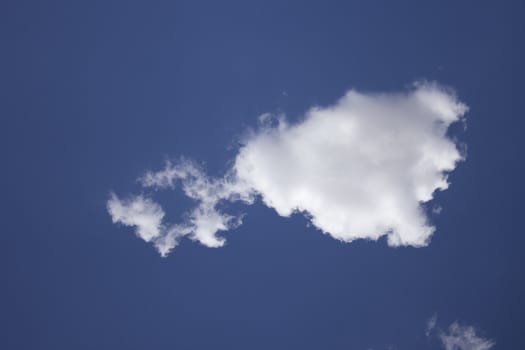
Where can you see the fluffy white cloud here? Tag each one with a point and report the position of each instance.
(358, 169)
(460, 337)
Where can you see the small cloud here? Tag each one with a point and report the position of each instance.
(201, 224)
(456, 337)
(431, 325)
(437, 209)
(461, 337)
(142, 213)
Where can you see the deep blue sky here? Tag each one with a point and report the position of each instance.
(93, 93)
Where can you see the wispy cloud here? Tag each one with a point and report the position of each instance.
(462, 337)
(201, 224)
(456, 337)
(140, 212)
(359, 169)
(431, 325)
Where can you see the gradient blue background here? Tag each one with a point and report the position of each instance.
(94, 93)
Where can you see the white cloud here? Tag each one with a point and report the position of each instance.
(202, 223)
(359, 169)
(460, 337)
(457, 337)
(147, 218)
(140, 212)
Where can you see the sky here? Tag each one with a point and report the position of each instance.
(262, 175)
